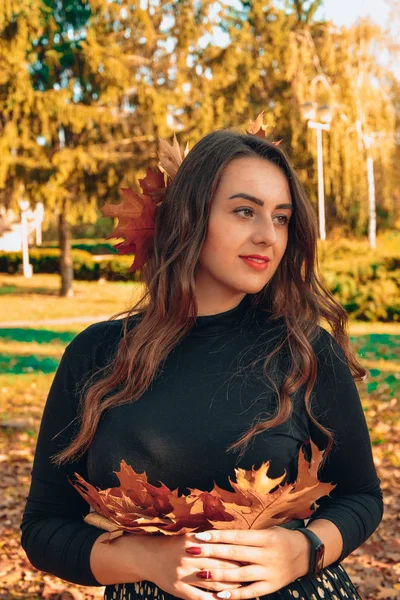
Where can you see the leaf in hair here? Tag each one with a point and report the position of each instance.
(136, 212)
(171, 156)
(257, 502)
(135, 223)
(258, 128)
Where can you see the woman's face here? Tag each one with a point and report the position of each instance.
(249, 216)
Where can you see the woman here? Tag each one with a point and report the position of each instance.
(227, 366)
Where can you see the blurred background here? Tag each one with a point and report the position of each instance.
(86, 88)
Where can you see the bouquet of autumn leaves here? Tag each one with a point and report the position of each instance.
(257, 502)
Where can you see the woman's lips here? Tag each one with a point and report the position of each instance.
(255, 263)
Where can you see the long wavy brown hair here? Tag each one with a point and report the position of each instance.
(167, 308)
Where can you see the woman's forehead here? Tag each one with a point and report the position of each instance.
(255, 176)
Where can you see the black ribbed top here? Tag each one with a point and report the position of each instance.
(204, 398)
(219, 323)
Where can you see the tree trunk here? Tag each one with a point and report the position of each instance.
(66, 270)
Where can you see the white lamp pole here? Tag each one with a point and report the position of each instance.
(310, 111)
(39, 212)
(27, 267)
(371, 192)
(319, 127)
(366, 140)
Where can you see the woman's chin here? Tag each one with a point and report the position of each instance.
(251, 287)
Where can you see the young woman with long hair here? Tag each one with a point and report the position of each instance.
(222, 364)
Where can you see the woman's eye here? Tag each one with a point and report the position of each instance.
(248, 211)
(283, 219)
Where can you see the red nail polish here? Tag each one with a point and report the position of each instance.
(193, 550)
(204, 574)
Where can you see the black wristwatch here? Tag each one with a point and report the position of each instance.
(317, 552)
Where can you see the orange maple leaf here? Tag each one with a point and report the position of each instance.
(264, 507)
(136, 212)
(135, 223)
(258, 128)
(171, 156)
(257, 502)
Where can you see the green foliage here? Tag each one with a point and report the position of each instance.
(365, 282)
(91, 246)
(376, 299)
(85, 266)
(117, 269)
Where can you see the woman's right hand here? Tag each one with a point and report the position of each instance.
(166, 563)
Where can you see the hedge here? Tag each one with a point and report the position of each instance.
(92, 246)
(366, 285)
(85, 266)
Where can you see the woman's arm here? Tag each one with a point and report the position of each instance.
(332, 539)
(54, 535)
(122, 561)
(355, 506)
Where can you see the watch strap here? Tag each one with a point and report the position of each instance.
(317, 552)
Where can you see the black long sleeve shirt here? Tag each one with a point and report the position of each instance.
(201, 401)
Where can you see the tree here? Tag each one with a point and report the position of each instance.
(108, 82)
(18, 148)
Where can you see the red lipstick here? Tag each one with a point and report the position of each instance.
(260, 263)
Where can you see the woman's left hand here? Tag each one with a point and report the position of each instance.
(272, 559)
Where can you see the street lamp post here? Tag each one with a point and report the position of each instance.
(26, 266)
(39, 213)
(371, 193)
(319, 128)
(366, 140)
(318, 117)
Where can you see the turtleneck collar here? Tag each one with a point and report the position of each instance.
(206, 325)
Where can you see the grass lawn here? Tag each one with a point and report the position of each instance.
(29, 357)
(37, 298)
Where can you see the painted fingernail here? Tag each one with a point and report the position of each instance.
(194, 550)
(204, 536)
(204, 574)
(224, 594)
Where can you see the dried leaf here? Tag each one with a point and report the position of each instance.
(258, 128)
(171, 157)
(268, 508)
(154, 184)
(257, 502)
(93, 518)
(135, 223)
(136, 212)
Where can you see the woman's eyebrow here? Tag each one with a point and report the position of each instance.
(258, 201)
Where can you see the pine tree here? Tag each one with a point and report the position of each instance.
(109, 83)
(20, 154)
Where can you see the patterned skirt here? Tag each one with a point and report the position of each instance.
(334, 584)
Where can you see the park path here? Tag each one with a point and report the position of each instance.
(63, 321)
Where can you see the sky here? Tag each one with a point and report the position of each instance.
(346, 12)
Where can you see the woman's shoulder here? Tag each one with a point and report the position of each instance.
(98, 337)
(329, 353)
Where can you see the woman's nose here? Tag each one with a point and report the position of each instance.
(266, 232)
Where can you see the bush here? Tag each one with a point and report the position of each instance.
(367, 289)
(117, 269)
(85, 266)
(92, 246)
